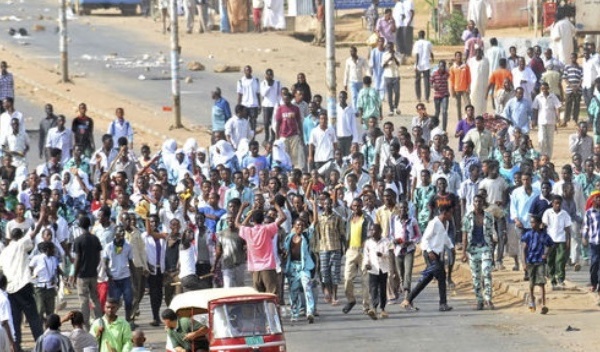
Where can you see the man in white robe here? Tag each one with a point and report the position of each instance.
(562, 34)
(524, 77)
(479, 66)
(480, 11)
(273, 17)
(494, 54)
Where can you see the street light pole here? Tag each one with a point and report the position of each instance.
(330, 59)
(64, 57)
(175, 87)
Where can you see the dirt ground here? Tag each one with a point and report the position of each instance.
(277, 50)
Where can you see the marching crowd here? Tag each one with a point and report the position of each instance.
(318, 192)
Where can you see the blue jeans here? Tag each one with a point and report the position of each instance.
(122, 287)
(299, 281)
(355, 87)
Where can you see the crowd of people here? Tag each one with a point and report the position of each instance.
(323, 191)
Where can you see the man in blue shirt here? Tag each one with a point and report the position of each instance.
(518, 110)
(536, 244)
(221, 111)
(259, 161)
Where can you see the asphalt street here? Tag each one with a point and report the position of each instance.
(104, 55)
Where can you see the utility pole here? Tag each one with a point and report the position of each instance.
(330, 60)
(175, 88)
(62, 45)
(535, 18)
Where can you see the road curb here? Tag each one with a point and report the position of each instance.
(523, 294)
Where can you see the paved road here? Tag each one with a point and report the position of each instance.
(91, 50)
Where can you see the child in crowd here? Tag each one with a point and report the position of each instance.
(536, 245)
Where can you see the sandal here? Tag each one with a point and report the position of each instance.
(532, 307)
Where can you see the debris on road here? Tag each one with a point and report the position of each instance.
(195, 66)
(226, 68)
(188, 80)
(572, 328)
(38, 28)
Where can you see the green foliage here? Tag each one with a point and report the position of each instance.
(452, 28)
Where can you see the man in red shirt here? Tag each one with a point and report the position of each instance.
(289, 127)
(439, 82)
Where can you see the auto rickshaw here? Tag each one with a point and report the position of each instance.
(239, 319)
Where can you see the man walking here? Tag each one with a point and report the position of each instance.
(354, 72)
(14, 263)
(289, 127)
(248, 90)
(270, 90)
(546, 112)
(459, 82)
(591, 236)
(356, 235)
(478, 229)
(423, 52)
(87, 249)
(435, 240)
(391, 75)
(439, 81)
(7, 84)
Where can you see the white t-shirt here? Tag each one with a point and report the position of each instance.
(187, 261)
(423, 48)
(323, 141)
(556, 224)
(249, 88)
(546, 107)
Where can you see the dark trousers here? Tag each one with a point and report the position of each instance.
(573, 100)
(425, 75)
(23, 302)
(392, 86)
(345, 143)
(201, 270)
(155, 284)
(441, 106)
(588, 94)
(378, 289)
(434, 269)
(252, 116)
(594, 266)
(138, 282)
(267, 118)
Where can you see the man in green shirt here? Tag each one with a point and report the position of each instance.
(186, 334)
(112, 332)
(369, 102)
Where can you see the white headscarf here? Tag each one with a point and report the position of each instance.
(243, 148)
(280, 155)
(73, 188)
(224, 151)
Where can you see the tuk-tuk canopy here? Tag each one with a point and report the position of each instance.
(199, 300)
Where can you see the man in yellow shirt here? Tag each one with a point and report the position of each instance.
(357, 227)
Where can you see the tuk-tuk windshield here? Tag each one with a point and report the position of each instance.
(246, 319)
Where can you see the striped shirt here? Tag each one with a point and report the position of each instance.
(573, 74)
(439, 81)
(591, 226)
(7, 86)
